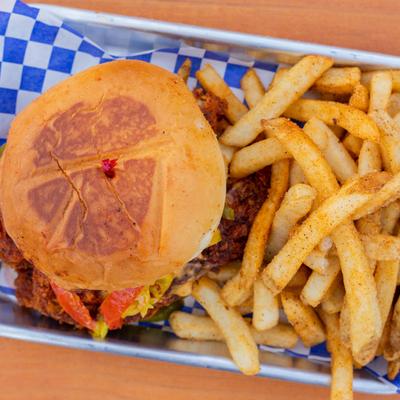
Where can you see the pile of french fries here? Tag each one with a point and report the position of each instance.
(325, 245)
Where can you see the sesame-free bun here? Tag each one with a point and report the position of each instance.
(86, 230)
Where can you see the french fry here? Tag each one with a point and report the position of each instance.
(393, 106)
(233, 327)
(227, 153)
(342, 361)
(257, 156)
(338, 80)
(266, 307)
(337, 130)
(382, 247)
(246, 307)
(212, 82)
(357, 277)
(386, 282)
(278, 76)
(196, 327)
(393, 369)
(296, 174)
(224, 273)
(334, 152)
(239, 288)
(389, 217)
(184, 69)
(369, 159)
(395, 327)
(334, 211)
(332, 113)
(353, 144)
(333, 301)
(360, 98)
(303, 319)
(390, 140)
(388, 194)
(345, 322)
(370, 224)
(300, 278)
(366, 78)
(396, 118)
(318, 285)
(317, 261)
(296, 203)
(325, 244)
(288, 89)
(252, 87)
(380, 90)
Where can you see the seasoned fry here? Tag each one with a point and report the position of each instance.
(266, 307)
(390, 140)
(334, 152)
(317, 261)
(233, 327)
(360, 98)
(396, 118)
(353, 120)
(184, 69)
(334, 211)
(366, 78)
(339, 80)
(353, 144)
(333, 301)
(325, 244)
(239, 288)
(300, 278)
(393, 369)
(296, 174)
(389, 217)
(393, 106)
(386, 282)
(369, 159)
(318, 285)
(395, 327)
(196, 327)
(358, 279)
(211, 81)
(303, 319)
(389, 193)
(345, 330)
(296, 203)
(278, 76)
(380, 90)
(382, 247)
(252, 87)
(224, 273)
(342, 362)
(257, 156)
(288, 89)
(227, 153)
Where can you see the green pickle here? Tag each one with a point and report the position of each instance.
(165, 312)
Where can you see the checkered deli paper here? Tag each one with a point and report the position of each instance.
(37, 50)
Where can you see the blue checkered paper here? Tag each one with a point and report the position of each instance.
(37, 50)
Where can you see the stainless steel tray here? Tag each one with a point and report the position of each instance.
(125, 35)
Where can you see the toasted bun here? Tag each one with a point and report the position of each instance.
(85, 230)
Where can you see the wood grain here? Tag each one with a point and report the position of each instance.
(362, 24)
(38, 372)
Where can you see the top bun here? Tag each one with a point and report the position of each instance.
(88, 231)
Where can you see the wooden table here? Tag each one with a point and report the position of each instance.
(38, 372)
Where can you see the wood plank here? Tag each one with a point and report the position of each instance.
(362, 24)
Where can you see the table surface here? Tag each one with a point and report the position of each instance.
(43, 372)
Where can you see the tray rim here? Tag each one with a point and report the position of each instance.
(185, 31)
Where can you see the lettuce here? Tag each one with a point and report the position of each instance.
(148, 297)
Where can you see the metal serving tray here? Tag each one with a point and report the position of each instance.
(125, 35)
